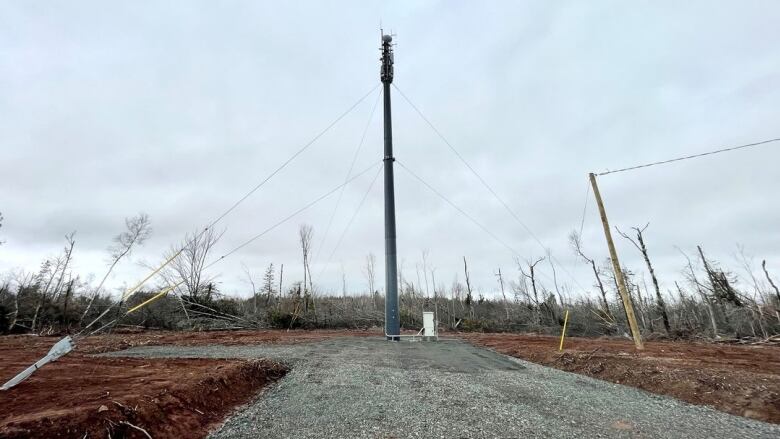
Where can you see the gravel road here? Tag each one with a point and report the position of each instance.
(371, 388)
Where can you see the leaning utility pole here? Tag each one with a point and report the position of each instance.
(392, 321)
(616, 267)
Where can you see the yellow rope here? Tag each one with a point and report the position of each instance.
(153, 298)
(133, 290)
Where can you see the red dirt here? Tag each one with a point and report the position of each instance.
(166, 397)
(741, 380)
(115, 342)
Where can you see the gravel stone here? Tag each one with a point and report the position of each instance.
(372, 388)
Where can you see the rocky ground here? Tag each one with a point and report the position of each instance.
(741, 380)
(370, 388)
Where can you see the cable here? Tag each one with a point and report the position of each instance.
(470, 218)
(463, 212)
(244, 244)
(487, 186)
(717, 151)
(258, 186)
(351, 220)
(322, 197)
(482, 180)
(346, 177)
(301, 150)
(130, 292)
(585, 209)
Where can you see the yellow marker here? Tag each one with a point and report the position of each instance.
(563, 333)
(153, 298)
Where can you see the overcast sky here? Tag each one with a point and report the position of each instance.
(176, 109)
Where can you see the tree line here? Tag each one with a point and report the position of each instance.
(708, 301)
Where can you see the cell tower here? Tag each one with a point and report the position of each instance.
(392, 321)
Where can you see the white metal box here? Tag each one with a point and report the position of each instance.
(429, 324)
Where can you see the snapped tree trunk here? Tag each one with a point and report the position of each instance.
(659, 298)
(532, 277)
(704, 298)
(766, 273)
(640, 245)
(68, 294)
(469, 296)
(16, 311)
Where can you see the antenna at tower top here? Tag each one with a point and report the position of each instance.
(386, 71)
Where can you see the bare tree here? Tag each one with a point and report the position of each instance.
(419, 281)
(48, 274)
(425, 271)
(295, 294)
(766, 273)
(24, 282)
(752, 305)
(469, 296)
(695, 281)
(254, 288)
(369, 270)
(555, 278)
(267, 288)
(138, 230)
(189, 267)
(66, 301)
(747, 264)
(305, 234)
(1, 226)
(343, 282)
(576, 243)
(640, 245)
(435, 297)
(43, 280)
(401, 279)
(281, 282)
(532, 278)
(641, 303)
(720, 285)
(520, 288)
(67, 255)
(457, 291)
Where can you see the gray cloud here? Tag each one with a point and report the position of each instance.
(177, 109)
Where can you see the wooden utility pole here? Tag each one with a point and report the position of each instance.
(501, 282)
(616, 267)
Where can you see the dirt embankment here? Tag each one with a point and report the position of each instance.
(741, 380)
(117, 397)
